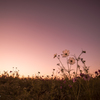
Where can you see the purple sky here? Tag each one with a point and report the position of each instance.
(31, 32)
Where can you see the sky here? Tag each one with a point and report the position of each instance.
(32, 31)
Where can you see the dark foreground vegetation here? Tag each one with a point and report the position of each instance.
(82, 87)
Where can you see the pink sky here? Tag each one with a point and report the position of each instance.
(31, 32)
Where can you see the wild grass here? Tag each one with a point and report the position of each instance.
(80, 87)
(38, 88)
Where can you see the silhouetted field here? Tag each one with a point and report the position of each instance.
(83, 87)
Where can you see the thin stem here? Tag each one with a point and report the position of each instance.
(70, 70)
(76, 68)
(77, 62)
(61, 63)
(67, 62)
(80, 54)
(68, 67)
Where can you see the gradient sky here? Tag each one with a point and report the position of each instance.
(32, 31)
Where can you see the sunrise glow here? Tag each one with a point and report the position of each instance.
(31, 32)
